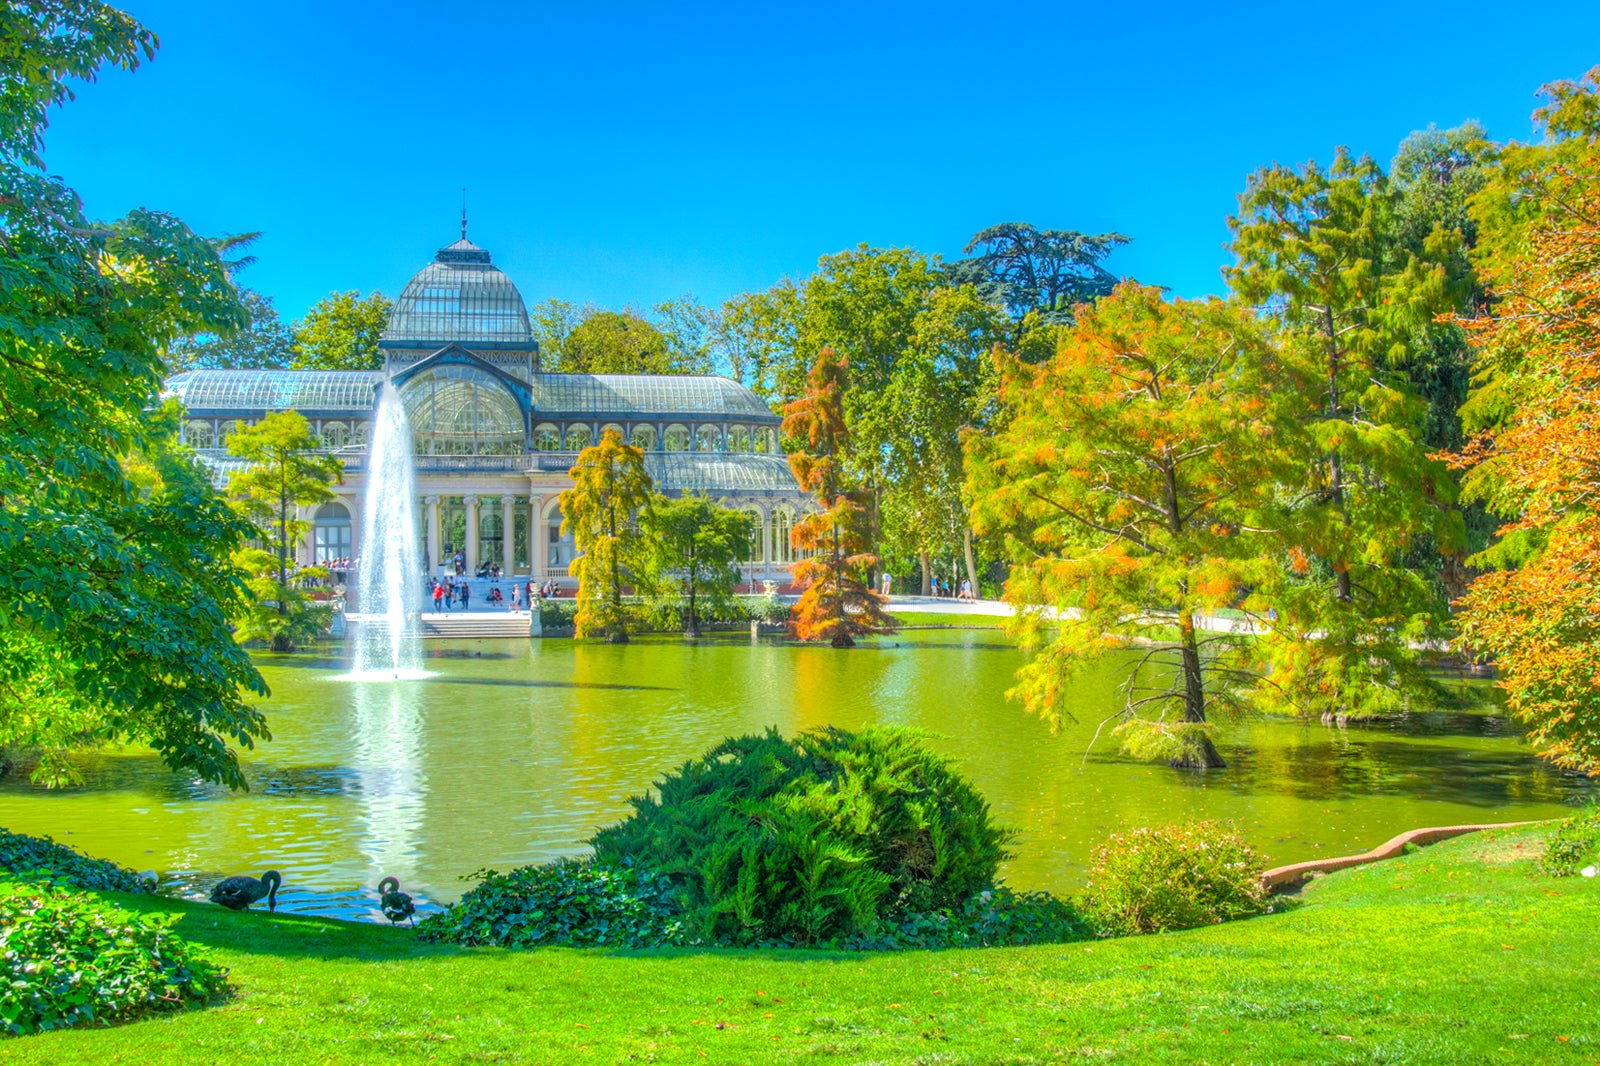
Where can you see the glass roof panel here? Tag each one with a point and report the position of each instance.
(624, 394)
(460, 296)
(718, 473)
(274, 390)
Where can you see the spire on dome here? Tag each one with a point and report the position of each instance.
(463, 212)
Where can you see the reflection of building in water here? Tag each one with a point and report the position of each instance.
(388, 761)
(495, 435)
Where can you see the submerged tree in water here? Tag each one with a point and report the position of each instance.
(609, 485)
(1124, 478)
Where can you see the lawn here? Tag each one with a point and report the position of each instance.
(1459, 953)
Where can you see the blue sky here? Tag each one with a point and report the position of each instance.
(626, 154)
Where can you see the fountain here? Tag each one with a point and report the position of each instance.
(389, 585)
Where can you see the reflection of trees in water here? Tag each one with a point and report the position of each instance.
(1346, 766)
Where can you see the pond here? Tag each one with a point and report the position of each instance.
(516, 751)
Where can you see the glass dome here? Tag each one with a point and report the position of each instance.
(461, 410)
(459, 296)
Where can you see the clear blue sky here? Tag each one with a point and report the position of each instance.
(627, 154)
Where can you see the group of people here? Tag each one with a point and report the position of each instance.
(939, 586)
(451, 594)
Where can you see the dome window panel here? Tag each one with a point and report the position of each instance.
(547, 438)
(578, 438)
(675, 439)
(739, 439)
(708, 439)
(462, 410)
(644, 438)
(335, 435)
(199, 435)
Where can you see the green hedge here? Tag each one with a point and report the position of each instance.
(1167, 877)
(1574, 845)
(68, 958)
(642, 617)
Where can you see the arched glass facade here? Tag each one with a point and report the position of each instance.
(461, 410)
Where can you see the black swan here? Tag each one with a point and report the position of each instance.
(237, 893)
(395, 904)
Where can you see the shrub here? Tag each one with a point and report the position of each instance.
(69, 958)
(1574, 844)
(996, 917)
(46, 862)
(585, 904)
(818, 839)
(1173, 877)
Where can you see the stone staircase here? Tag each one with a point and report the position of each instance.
(462, 625)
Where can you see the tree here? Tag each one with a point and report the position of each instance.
(553, 321)
(602, 512)
(115, 584)
(617, 342)
(1317, 248)
(689, 328)
(836, 604)
(287, 471)
(696, 548)
(1537, 466)
(261, 341)
(341, 332)
(1026, 269)
(1125, 479)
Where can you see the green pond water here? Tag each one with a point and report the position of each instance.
(516, 751)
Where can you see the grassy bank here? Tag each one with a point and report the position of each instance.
(1459, 953)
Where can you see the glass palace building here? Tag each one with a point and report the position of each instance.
(494, 435)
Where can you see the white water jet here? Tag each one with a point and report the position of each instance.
(389, 588)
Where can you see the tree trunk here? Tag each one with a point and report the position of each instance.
(972, 564)
(1205, 756)
(927, 573)
(691, 624)
(1335, 462)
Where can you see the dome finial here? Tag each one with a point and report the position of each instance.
(463, 212)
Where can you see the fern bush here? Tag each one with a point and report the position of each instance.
(42, 860)
(68, 958)
(1574, 844)
(1169, 877)
(824, 838)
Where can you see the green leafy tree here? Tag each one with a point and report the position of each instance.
(341, 332)
(260, 342)
(1124, 479)
(617, 342)
(689, 327)
(115, 583)
(836, 604)
(1318, 248)
(287, 472)
(610, 496)
(696, 548)
(553, 321)
(1045, 272)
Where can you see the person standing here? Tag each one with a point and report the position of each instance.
(466, 596)
(438, 597)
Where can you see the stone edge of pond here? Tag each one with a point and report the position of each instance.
(1282, 879)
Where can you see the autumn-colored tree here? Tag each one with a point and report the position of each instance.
(287, 472)
(1319, 249)
(1539, 617)
(837, 605)
(610, 486)
(1125, 479)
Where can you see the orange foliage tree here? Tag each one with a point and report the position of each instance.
(1539, 466)
(837, 604)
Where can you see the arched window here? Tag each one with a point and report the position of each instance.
(228, 429)
(491, 530)
(763, 440)
(644, 438)
(739, 439)
(782, 528)
(675, 439)
(612, 427)
(363, 434)
(330, 533)
(547, 438)
(757, 535)
(335, 435)
(577, 438)
(708, 439)
(462, 410)
(560, 550)
(198, 435)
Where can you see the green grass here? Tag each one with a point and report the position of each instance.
(1455, 954)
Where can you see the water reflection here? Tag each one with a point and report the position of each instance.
(516, 751)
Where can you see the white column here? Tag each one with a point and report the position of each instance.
(508, 526)
(471, 504)
(536, 546)
(433, 533)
